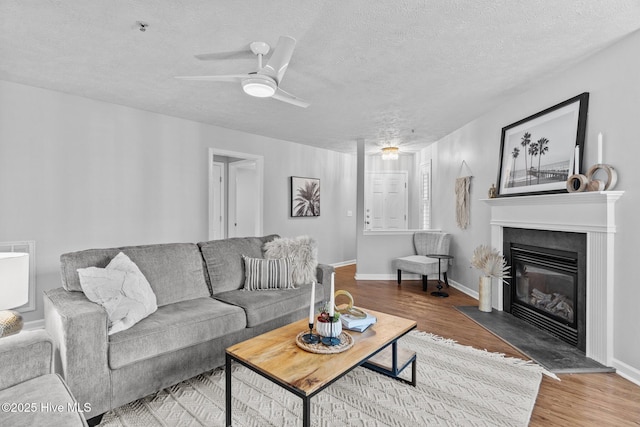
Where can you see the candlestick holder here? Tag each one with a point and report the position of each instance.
(331, 340)
(311, 338)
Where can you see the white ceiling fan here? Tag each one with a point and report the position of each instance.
(265, 82)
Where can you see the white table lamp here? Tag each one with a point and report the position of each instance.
(14, 290)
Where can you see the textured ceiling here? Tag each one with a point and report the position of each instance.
(405, 72)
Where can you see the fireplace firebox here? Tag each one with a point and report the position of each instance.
(547, 287)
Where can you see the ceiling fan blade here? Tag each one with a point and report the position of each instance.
(283, 96)
(223, 78)
(232, 54)
(280, 58)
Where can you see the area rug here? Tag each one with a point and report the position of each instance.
(457, 386)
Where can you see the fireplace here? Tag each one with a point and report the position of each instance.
(547, 287)
(590, 214)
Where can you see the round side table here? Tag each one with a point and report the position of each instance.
(440, 257)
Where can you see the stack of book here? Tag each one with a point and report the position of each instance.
(354, 323)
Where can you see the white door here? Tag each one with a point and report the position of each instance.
(386, 202)
(216, 201)
(244, 211)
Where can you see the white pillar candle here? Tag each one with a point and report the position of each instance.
(600, 148)
(332, 297)
(576, 161)
(311, 308)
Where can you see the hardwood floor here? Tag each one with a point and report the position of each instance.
(576, 400)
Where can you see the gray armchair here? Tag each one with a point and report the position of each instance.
(425, 243)
(30, 394)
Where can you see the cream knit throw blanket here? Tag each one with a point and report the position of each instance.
(462, 201)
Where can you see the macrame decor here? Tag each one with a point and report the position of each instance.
(462, 201)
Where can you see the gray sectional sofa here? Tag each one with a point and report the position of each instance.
(202, 309)
(30, 393)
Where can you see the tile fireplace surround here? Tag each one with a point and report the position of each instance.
(592, 213)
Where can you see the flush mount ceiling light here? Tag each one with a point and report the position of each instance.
(389, 153)
(259, 86)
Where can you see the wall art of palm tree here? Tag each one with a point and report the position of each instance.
(539, 152)
(305, 196)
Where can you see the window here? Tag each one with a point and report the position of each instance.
(425, 196)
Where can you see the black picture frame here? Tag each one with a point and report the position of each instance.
(305, 196)
(558, 129)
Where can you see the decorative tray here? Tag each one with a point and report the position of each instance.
(346, 342)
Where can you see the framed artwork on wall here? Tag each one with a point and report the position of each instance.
(305, 196)
(538, 153)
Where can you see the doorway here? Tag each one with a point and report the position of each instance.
(235, 194)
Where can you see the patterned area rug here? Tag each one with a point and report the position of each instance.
(457, 386)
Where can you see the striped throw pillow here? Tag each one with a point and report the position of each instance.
(264, 274)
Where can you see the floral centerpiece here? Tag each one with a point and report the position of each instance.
(492, 264)
(323, 327)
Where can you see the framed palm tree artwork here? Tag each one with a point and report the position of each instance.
(538, 153)
(305, 196)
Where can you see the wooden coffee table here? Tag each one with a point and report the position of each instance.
(275, 356)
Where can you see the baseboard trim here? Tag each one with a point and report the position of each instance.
(411, 276)
(343, 263)
(626, 371)
(463, 289)
(405, 276)
(33, 325)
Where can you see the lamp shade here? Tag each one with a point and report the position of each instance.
(14, 279)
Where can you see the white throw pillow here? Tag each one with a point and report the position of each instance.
(303, 252)
(121, 289)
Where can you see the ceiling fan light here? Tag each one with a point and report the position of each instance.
(260, 88)
(390, 153)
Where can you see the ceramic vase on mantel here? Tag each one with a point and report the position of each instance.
(484, 293)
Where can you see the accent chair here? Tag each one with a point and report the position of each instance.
(425, 243)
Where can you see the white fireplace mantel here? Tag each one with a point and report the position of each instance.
(592, 213)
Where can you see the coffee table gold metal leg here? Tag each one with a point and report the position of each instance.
(227, 371)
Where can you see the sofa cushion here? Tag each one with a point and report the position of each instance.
(223, 259)
(43, 396)
(174, 270)
(261, 307)
(173, 327)
(121, 289)
(267, 274)
(303, 252)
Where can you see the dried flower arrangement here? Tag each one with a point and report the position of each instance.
(490, 262)
(323, 317)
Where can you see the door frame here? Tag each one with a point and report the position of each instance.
(259, 172)
(213, 199)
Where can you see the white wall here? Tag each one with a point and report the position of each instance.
(77, 173)
(612, 77)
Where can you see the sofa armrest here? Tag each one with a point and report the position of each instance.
(24, 356)
(79, 329)
(323, 273)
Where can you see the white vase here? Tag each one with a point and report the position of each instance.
(324, 329)
(484, 292)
